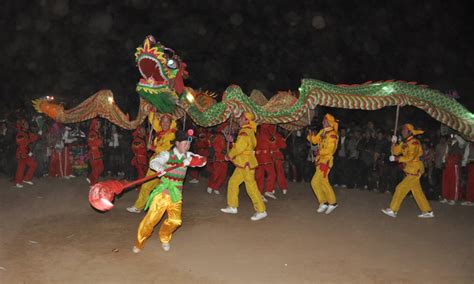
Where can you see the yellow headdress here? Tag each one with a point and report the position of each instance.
(154, 120)
(412, 129)
(332, 121)
(251, 120)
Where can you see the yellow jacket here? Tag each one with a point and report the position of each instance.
(242, 153)
(410, 152)
(164, 139)
(163, 142)
(327, 145)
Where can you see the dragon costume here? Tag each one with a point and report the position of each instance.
(162, 90)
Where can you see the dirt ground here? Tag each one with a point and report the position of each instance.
(50, 234)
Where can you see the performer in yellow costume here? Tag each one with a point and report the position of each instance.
(326, 139)
(408, 153)
(165, 128)
(242, 155)
(167, 196)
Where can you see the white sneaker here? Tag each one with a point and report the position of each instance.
(322, 207)
(136, 250)
(467, 203)
(264, 199)
(166, 246)
(209, 190)
(133, 209)
(217, 192)
(336, 185)
(259, 216)
(28, 182)
(72, 176)
(18, 185)
(88, 180)
(284, 191)
(389, 212)
(444, 200)
(451, 202)
(194, 181)
(270, 194)
(343, 186)
(426, 215)
(331, 208)
(229, 210)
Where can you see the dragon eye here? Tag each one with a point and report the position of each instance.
(172, 64)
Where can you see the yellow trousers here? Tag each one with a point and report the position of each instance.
(410, 183)
(247, 176)
(145, 190)
(159, 205)
(322, 188)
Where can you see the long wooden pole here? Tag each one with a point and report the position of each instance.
(396, 121)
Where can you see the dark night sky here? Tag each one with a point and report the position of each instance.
(73, 48)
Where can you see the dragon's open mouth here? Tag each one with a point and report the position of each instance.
(150, 69)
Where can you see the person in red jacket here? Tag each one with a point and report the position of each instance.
(263, 153)
(468, 163)
(24, 156)
(277, 142)
(451, 180)
(202, 149)
(140, 159)
(219, 165)
(94, 141)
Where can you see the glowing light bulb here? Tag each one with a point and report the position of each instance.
(189, 97)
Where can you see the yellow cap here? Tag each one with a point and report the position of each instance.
(412, 129)
(332, 121)
(251, 120)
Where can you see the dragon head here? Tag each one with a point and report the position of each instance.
(163, 74)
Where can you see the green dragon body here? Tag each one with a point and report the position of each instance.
(162, 90)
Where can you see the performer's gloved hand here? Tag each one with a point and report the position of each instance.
(198, 161)
(40, 132)
(394, 139)
(393, 158)
(30, 154)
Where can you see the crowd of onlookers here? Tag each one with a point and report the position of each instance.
(361, 160)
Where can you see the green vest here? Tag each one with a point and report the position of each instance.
(171, 181)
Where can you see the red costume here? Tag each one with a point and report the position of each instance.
(202, 149)
(94, 141)
(277, 143)
(263, 152)
(451, 173)
(24, 156)
(219, 165)
(140, 158)
(470, 183)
